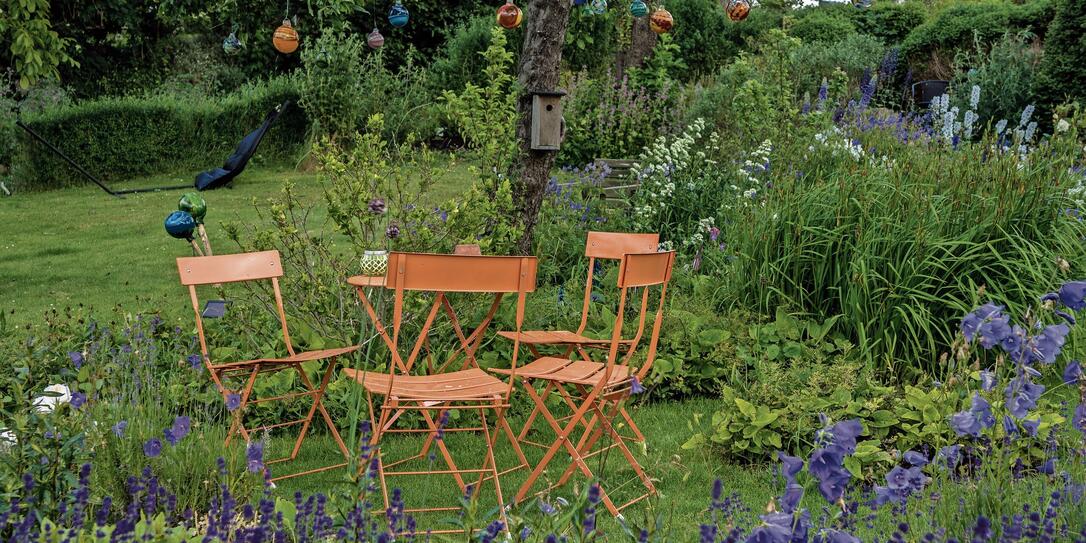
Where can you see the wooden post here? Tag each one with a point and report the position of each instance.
(642, 41)
(545, 32)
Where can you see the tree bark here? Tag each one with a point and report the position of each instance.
(540, 56)
(642, 41)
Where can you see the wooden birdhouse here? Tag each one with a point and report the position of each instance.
(547, 123)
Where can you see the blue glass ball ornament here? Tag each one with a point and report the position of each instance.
(580, 2)
(638, 8)
(180, 225)
(597, 7)
(397, 15)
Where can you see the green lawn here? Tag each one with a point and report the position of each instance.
(80, 245)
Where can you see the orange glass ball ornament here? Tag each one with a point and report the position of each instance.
(661, 21)
(737, 10)
(285, 38)
(509, 15)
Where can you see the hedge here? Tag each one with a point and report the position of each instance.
(121, 138)
(957, 27)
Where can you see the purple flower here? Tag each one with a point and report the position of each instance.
(790, 467)
(635, 385)
(178, 431)
(978, 418)
(898, 478)
(972, 320)
(1022, 395)
(770, 533)
(152, 448)
(834, 536)
(1073, 295)
(949, 456)
(378, 206)
(78, 399)
(77, 359)
(195, 361)
(233, 402)
(119, 428)
(994, 331)
(393, 231)
(1073, 372)
(793, 493)
(1031, 426)
(988, 380)
(254, 456)
(1078, 418)
(914, 458)
(1047, 345)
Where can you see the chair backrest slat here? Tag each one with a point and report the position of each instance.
(643, 270)
(460, 273)
(612, 245)
(208, 270)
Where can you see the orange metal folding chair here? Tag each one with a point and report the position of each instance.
(600, 388)
(598, 245)
(433, 388)
(215, 270)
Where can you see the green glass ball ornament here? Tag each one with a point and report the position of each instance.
(194, 204)
(638, 8)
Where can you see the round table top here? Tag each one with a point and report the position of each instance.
(366, 280)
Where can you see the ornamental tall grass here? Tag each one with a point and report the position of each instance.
(897, 237)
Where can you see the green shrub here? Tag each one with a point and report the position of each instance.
(1062, 75)
(824, 23)
(889, 22)
(932, 46)
(851, 55)
(707, 39)
(461, 59)
(1005, 74)
(592, 40)
(119, 138)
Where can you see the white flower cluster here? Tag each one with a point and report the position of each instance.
(661, 163)
(698, 237)
(840, 144)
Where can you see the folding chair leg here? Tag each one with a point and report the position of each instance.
(605, 424)
(633, 426)
(318, 404)
(444, 450)
(490, 461)
(563, 440)
(535, 411)
(237, 426)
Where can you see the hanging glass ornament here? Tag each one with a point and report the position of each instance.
(509, 15)
(596, 7)
(737, 10)
(374, 39)
(397, 15)
(232, 45)
(285, 38)
(861, 3)
(638, 8)
(580, 2)
(661, 21)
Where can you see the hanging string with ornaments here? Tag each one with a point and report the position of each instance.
(285, 39)
(374, 39)
(231, 45)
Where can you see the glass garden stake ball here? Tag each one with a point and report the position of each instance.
(231, 45)
(285, 38)
(397, 15)
(374, 39)
(180, 225)
(737, 10)
(193, 204)
(509, 15)
(638, 8)
(661, 21)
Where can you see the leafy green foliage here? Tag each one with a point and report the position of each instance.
(27, 35)
(707, 39)
(890, 22)
(1005, 73)
(1061, 76)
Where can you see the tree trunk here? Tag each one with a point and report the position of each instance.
(540, 56)
(642, 40)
